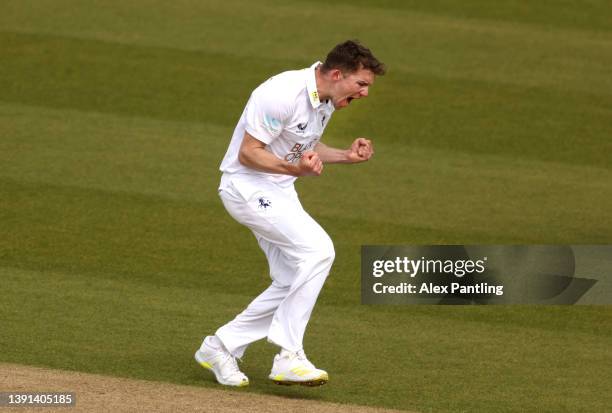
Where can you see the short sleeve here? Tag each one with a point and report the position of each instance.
(267, 113)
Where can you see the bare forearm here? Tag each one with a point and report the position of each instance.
(331, 155)
(262, 160)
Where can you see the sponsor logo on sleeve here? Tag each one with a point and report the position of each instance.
(272, 124)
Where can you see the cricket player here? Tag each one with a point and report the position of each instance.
(277, 139)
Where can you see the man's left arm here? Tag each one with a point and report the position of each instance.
(360, 151)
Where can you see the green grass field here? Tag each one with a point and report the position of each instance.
(493, 125)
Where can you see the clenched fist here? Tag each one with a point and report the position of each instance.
(361, 150)
(310, 164)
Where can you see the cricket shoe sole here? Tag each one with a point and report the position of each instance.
(311, 382)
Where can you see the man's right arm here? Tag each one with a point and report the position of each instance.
(253, 154)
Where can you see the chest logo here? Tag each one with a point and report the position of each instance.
(298, 150)
(302, 127)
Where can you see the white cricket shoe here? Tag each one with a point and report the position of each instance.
(294, 368)
(222, 364)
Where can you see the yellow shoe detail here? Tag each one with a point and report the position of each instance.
(300, 371)
(206, 365)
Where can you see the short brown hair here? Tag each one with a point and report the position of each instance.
(351, 56)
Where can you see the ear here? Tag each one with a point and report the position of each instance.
(336, 74)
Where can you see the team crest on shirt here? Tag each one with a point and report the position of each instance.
(301, 127)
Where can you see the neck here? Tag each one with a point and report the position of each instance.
(322, 84)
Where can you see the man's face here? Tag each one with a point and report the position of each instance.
(351, 86)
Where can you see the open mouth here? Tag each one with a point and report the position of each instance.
(349, 99)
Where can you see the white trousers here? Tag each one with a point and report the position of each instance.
(300, 255)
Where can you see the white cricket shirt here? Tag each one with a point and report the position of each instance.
(286, 114)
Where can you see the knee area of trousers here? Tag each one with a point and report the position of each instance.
(325, 251)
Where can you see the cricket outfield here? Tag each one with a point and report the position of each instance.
(116, 256)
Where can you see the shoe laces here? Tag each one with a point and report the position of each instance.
(302, 357)
(230, 365)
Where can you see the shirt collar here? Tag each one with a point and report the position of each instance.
(311, 86)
